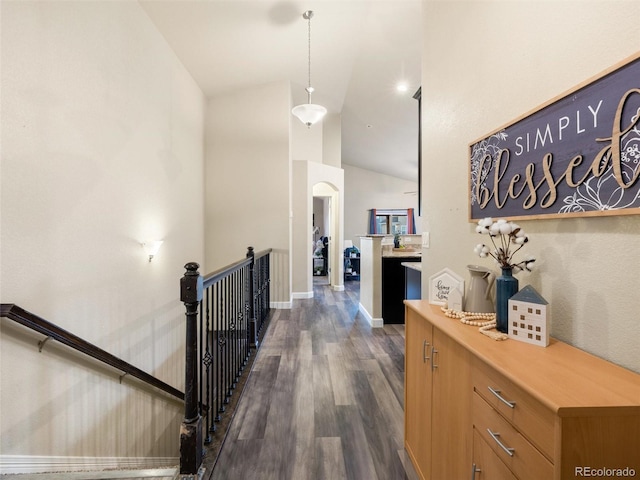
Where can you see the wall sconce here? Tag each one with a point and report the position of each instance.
(151, 248)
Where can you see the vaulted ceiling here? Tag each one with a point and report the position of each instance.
(360, 50)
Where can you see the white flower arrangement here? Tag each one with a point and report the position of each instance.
(504, 236)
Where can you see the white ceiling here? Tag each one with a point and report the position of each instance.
(360, 50)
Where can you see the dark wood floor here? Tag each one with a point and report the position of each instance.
(324, 399)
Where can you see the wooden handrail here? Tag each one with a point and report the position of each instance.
(40, 325)
(223, 272)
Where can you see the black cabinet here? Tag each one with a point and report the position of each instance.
(319, 266)
(393, 288)
(351, 266)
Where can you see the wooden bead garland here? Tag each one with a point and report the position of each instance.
(469, 318)
(486, 321)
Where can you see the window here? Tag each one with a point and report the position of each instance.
(391, 221)
(391, 224)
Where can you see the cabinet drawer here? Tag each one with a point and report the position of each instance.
(520, 456)
(527, 414)
(487, 465)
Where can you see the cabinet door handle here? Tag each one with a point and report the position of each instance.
(501, 398)
(433, 358)
(425, 358)
(474, 470)
(495, 436)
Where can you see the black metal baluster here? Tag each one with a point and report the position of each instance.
(232, 322)
(261, 289)
(245, 314)
(214, 348)
(232, 367)
(229, 340)
(243, 306)
(200, 359)
(253, 327)
(260, 301)
(207, 360)
(221, 345)
(236, 329)
(267, 284)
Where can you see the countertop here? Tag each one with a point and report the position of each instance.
(414, 265)
(401, 253)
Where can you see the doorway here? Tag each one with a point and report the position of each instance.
(323, 246)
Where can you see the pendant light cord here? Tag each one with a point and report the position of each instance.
(309, 56)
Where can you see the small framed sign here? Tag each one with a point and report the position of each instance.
(442, 284)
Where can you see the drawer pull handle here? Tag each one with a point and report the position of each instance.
(433, 358)
(501, 398)
(474, 470)
(425, 358)
(495, 437)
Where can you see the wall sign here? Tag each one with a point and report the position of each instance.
(576, 155)
(442, 284)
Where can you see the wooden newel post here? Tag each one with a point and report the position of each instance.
(253, 324)
(191, 428)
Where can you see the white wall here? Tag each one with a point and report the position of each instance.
(486, 63)
(332, 140)
(302, 237)
(365, 189)
(102, 148)
(248, 180)
(306, 142)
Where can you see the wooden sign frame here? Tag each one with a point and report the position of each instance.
(576, 155)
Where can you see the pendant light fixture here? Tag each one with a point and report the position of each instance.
(309, 113)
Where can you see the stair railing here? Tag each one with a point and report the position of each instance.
(234, 306)
(52, 331)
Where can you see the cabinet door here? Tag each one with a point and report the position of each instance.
(451, 419)
(417, 399)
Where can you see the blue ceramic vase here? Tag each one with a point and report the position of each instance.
(506, 287)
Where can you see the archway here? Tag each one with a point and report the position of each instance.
(315, 179)
(324, 222)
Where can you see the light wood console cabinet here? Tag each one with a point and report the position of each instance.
(484, 409)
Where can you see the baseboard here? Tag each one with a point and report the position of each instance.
(302, 295)
(56, 464)
(374, 322)
(282, 305)
(338, 288)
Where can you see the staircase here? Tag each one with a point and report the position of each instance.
(226, 312)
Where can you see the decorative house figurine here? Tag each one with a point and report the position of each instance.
(529, 316)
(442, 284)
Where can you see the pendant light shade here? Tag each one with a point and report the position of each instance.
(309, 113)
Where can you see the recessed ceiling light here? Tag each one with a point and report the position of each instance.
(402, 87)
